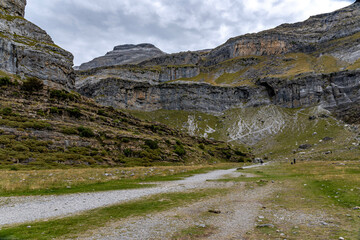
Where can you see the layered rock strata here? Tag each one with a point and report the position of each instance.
(124, 54)
(28, 51)
(315, 62)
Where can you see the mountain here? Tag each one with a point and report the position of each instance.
(306, 64)
(47, 126)
(124, 54)
(28, 51)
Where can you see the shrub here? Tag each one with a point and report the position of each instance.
(152, 144)
(74, 112)
(85, 132)
(33, 84)
(155, 128)
(55, 110)
(125, 140)
(5, 81)
(102, 113)
(41, 113)
(201, 146)
(6, 111)
(240, 153)
(69, 131)
(62, 95)
(179, 150)
(128, 152)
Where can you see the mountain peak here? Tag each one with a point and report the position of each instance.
(133, 46)
(124, 54)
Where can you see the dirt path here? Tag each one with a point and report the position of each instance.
(26, 209)
(239, 214)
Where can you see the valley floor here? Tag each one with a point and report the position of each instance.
(308, 200)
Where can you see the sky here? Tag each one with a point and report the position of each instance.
(90, 28)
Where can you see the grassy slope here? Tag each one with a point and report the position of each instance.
(52, 129)
(285, 130)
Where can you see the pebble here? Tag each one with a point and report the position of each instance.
(341, 238)
(261, 217)
(216, 211)
(266, 225)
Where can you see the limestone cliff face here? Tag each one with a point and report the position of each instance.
(298, 37)
(28, 51)
(315, 62)
(332, 92)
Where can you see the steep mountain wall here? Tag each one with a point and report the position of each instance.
(311, 63)
(28, 51)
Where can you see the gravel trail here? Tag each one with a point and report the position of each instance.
(240, 210)
(15, 210)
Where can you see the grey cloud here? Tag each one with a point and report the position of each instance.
(91, 28)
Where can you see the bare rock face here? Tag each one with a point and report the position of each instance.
(124, 54)
(311, 63)
(13, 7)
(298, 37)
(28, 51)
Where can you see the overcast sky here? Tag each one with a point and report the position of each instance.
(90, 28)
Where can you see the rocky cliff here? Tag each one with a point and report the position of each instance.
(28, 51)
(312, 63)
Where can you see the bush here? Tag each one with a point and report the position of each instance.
(201, 146)
(128, 152)
(55, 110)
(62, 95)
(125, 140)
(6, 111)
(74, 112)
(5, 81)
(102, 112)
(41, 113)
(69, 131)
(152, 144)
(85, 132)
(179, 150)
(33, 84)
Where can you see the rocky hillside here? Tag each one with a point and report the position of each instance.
(312, 63)
(28, 51)
(44, 127)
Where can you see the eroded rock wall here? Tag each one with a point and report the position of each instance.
(28, 51)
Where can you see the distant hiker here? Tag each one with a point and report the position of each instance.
(261, 162)
(294, 160)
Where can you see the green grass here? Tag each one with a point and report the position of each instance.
(194, 232)
(36, 185)
(79, 188)
(71, 227)
(328, 188)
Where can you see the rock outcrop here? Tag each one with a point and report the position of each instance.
(28, 51)
(312, 63)
(13, 7)
(124, 54)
